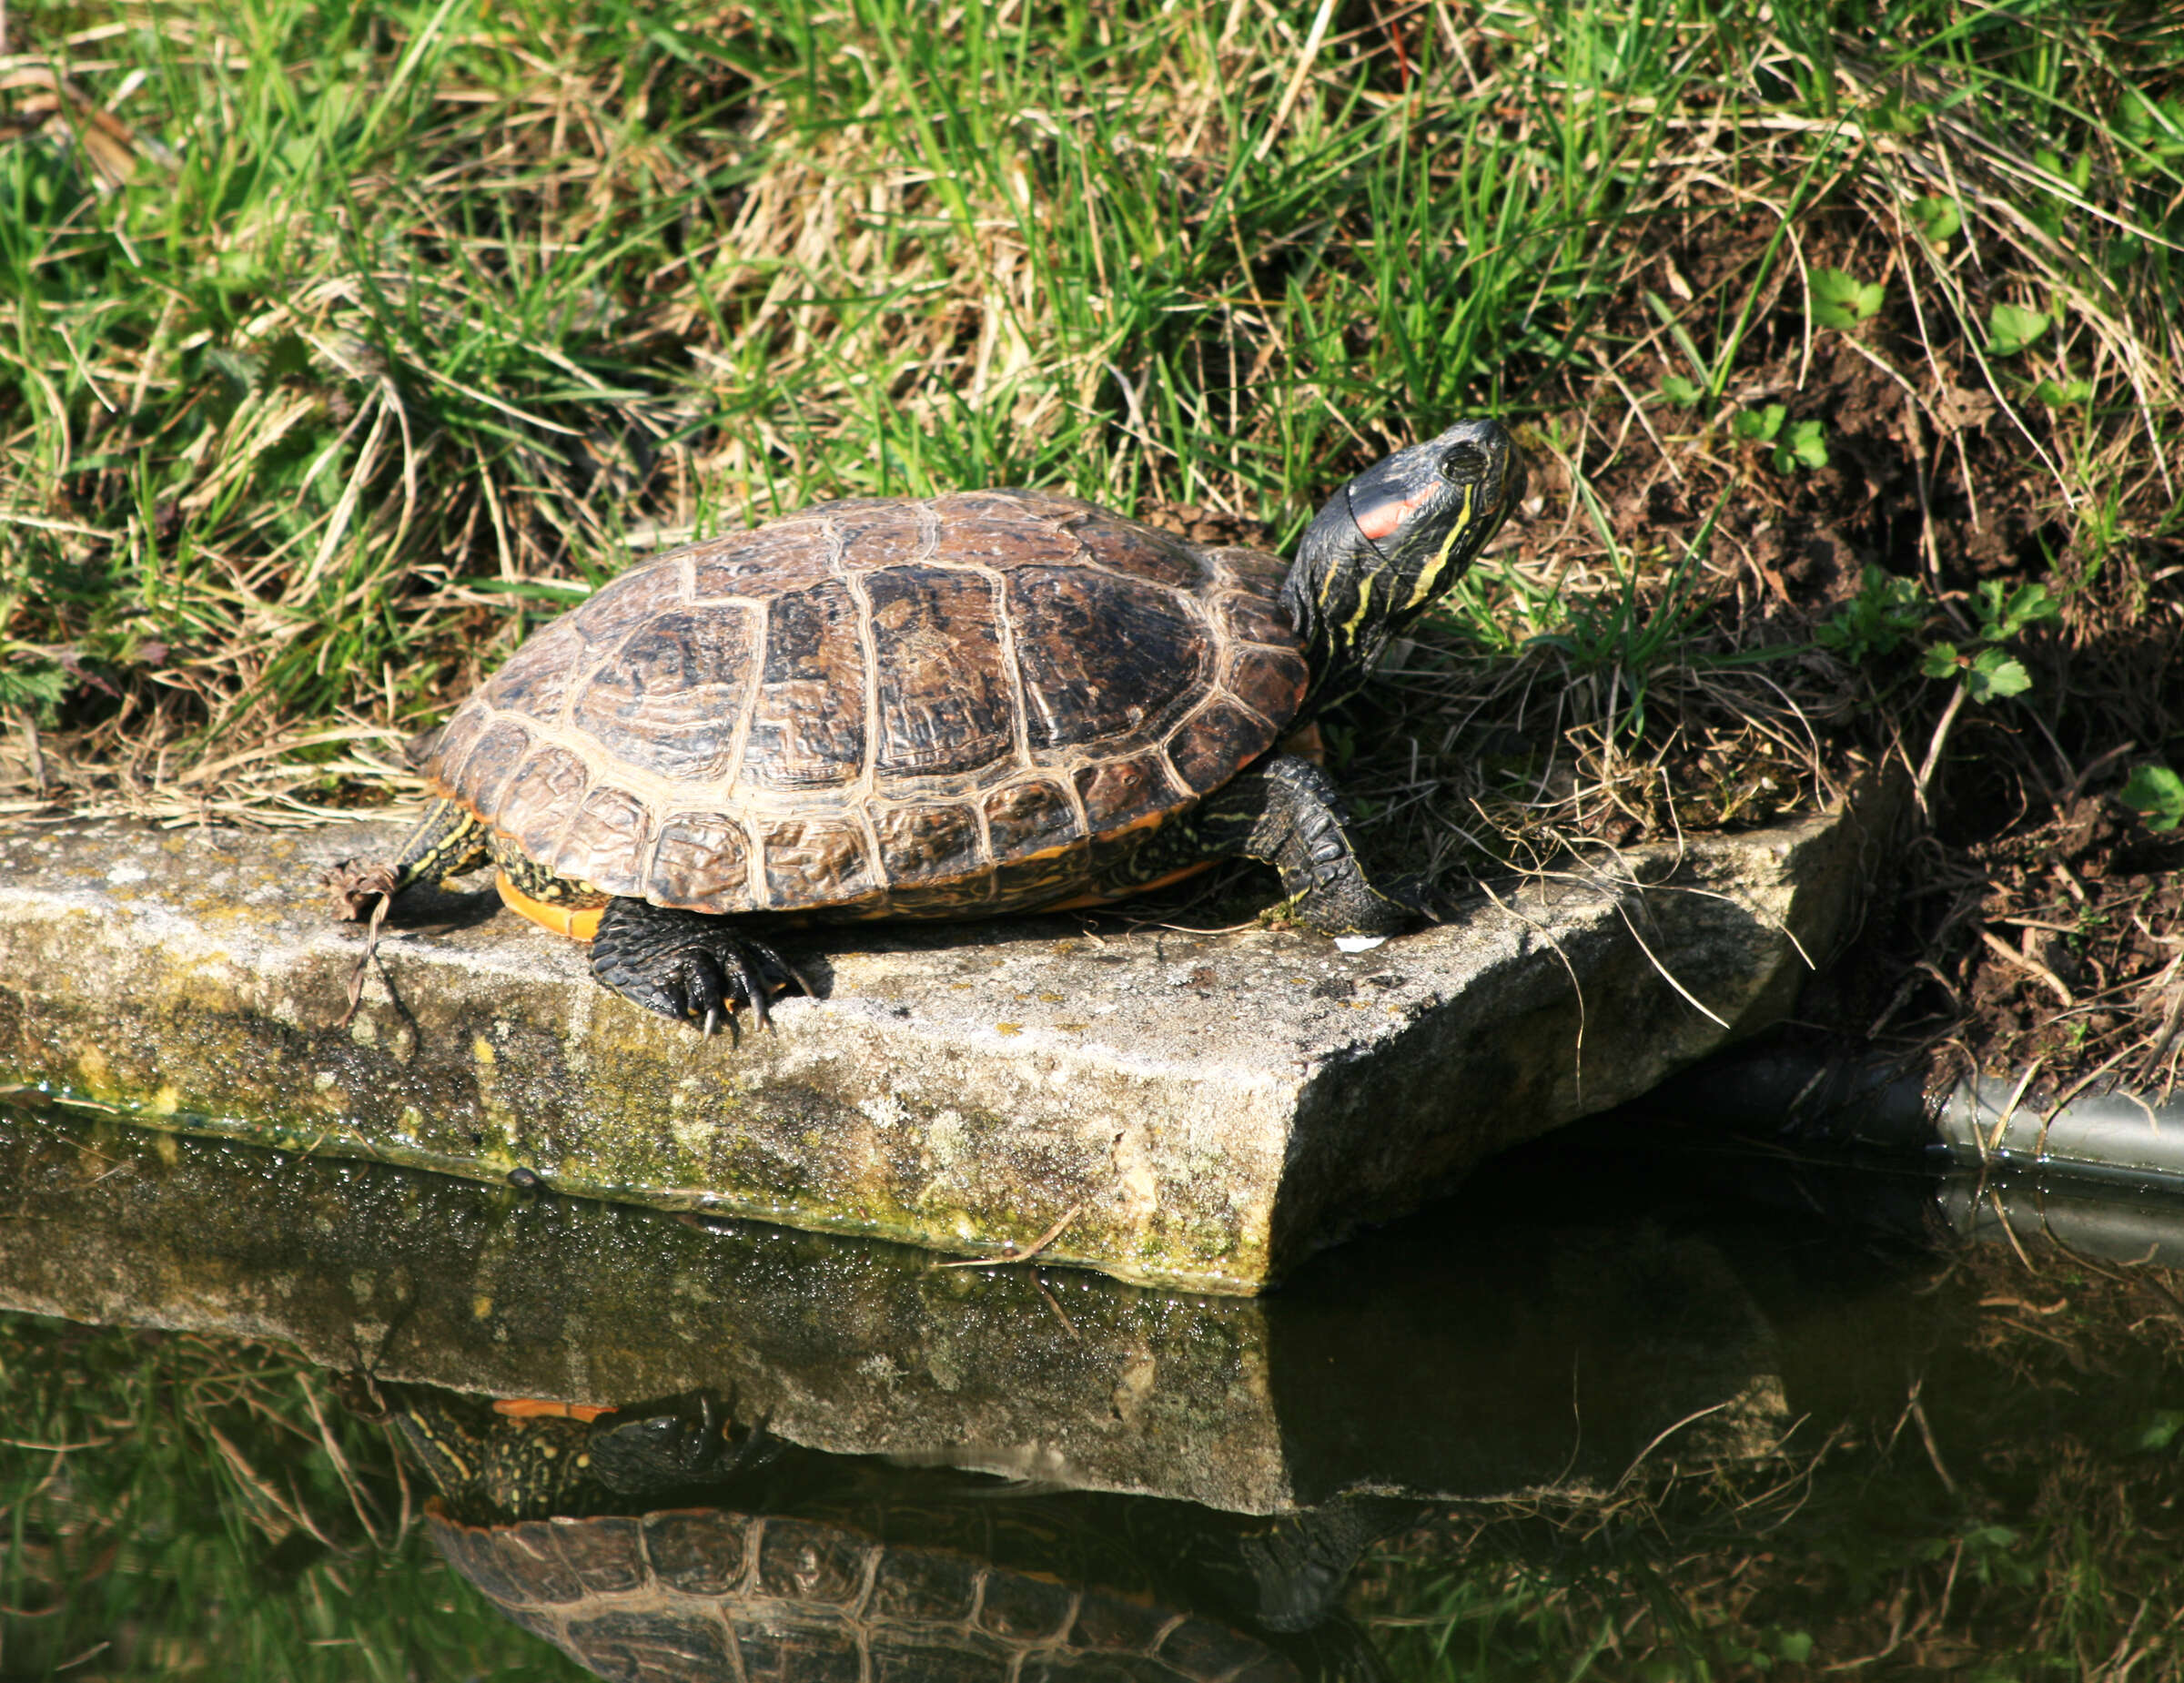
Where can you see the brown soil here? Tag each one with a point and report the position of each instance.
(2074, 962)
(2036, 917)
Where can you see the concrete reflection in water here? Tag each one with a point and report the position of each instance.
(1466, 1363)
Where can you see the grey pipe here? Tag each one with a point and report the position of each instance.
(1982, 1120)
(2105, 1135)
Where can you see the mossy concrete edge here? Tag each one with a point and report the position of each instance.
(1191, 1110)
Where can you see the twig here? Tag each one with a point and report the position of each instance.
(2009, 1232)
(1941, 734)
(1917, 1412)
(360, 1503)
(28, 722)
(1037, 1245)
(1990, 1145)
(1305, 56)
(1060, 1314)
(2031, 967)
(1666, 974)
(364, 959)
(1666, 1432)
(2172, 1017)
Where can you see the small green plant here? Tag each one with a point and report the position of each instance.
(1884, 614)
(2010, 327)
(2157, 794)
(1843, 301)
(2155, 129)
(1938, 218)
(2005, 611)
(1759, 426)
(2063, 393)
(2076, 171)
(30, 684)
(1985, 671)
(1682, 390)
(2159, 1429)
(1804, 443)
(1798, 443)
(1889, 612)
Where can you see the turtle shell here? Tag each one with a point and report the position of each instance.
(891, 707)
(690, 1593)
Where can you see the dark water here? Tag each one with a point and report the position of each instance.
(1640, 1403)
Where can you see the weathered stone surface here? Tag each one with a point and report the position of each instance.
(1206, 1109)
(1498, 1357)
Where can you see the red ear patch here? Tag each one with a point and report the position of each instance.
(1380, 522)
(535, 1408)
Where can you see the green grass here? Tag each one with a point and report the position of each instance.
(375, 324)
(172, 1506)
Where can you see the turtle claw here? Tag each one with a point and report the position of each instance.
(1423, 899)
(686, 965)
(753, 984)
(1365, 909)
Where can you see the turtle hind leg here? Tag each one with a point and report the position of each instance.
(1288, 813)
(447, 841)
(692, 966)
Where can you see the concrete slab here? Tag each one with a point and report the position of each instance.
(1199, 1111)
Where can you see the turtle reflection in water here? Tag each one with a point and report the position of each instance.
(994, 701)
(662, 1542)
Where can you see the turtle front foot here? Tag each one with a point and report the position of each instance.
(688, 965)
(1288, 813)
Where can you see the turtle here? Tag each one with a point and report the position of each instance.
(977, 703)
(663, 1540)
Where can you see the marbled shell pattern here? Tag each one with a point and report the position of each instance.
(891, 707)
(710, 1593)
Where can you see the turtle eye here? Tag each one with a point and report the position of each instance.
(1465, 462)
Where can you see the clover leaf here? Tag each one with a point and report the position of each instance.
(2012, 327)
(1843, 301)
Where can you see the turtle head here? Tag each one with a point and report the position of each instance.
(1389, 541)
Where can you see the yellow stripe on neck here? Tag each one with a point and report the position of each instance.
(1429, 578)
(578, 922)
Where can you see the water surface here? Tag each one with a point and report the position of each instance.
(1638, 1403)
